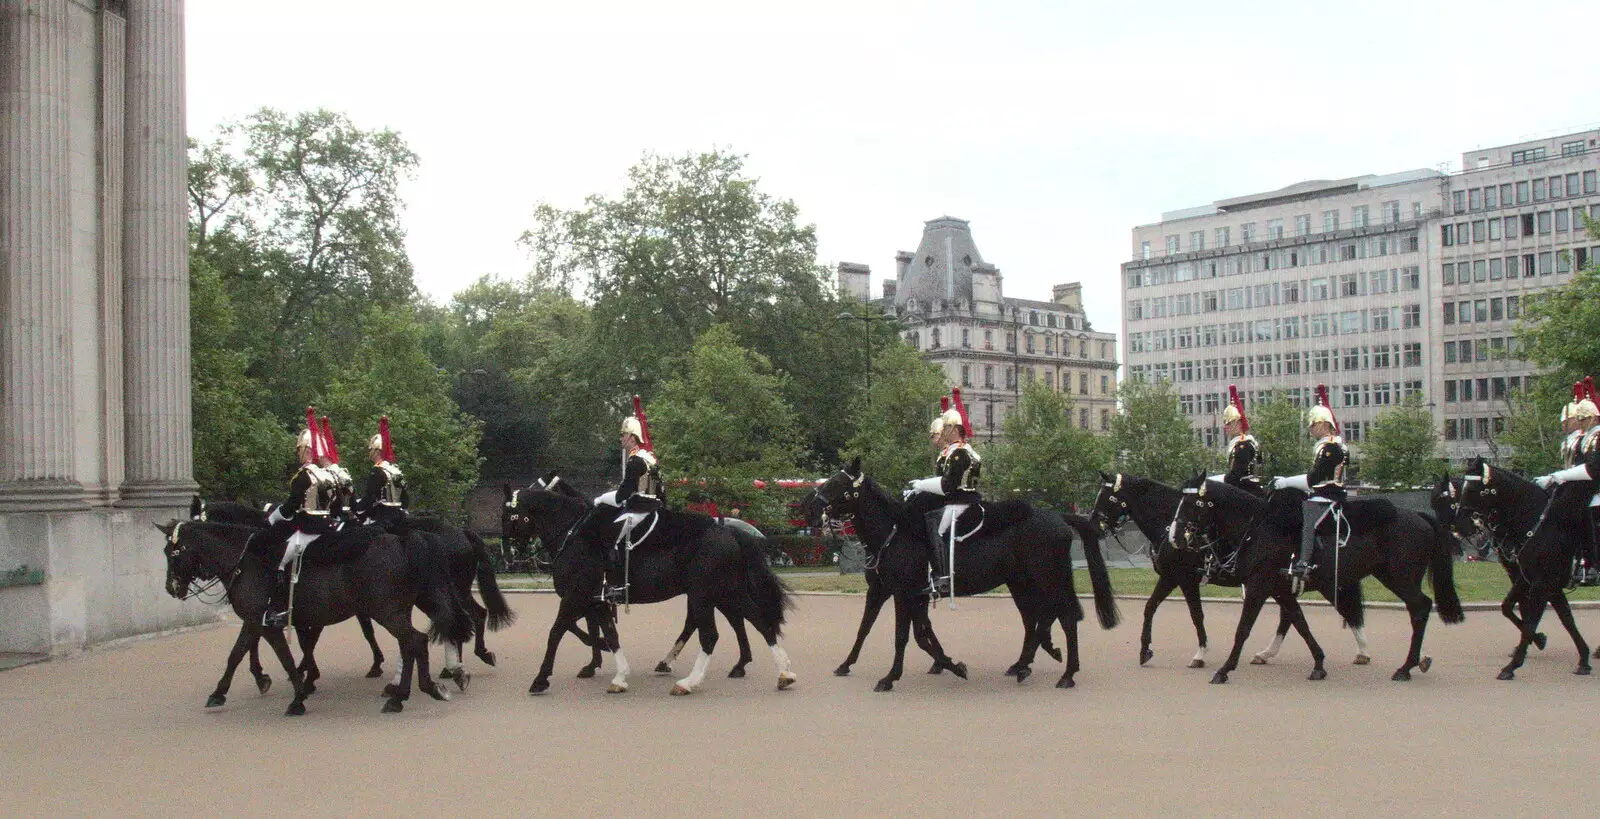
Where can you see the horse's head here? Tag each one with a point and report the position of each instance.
(1480, 488)
(197, 508)
(1445, 501)
(1196, 513)
(184, 562)
(535, 512)
(515, 527)
(1110, 503)
(838, 496)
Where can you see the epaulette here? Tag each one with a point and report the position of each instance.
(645, 455)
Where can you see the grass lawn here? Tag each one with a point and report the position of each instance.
(1475, 582)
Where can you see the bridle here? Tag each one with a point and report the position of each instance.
(851, 494)
(197, 588)
(1197, 532)
(1112, 491)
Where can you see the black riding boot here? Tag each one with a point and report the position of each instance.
(615, 591)
(1591, 569)
(1311, 514)
(938, 556)
(277, 613)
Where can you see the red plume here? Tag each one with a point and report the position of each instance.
(1588, 387)
(383, 433)
(944, 404)
(332, 444)
(1322, 398)
(644, 425)
(1233, 398)
(316, 434)
(1577, 391)
(966, 423)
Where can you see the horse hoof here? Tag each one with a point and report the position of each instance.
(1258, 660)
(393, 706)
(1425, 664)
(960, 670)
(446, 673)
(539, 687)
(462, 678)
(391, 690)
(1055, 653)
(1219, 678)
(263, 683)
(1318, 674)
(375, 671)
(786, 680)
(679, 691)
(1507, 675)
(216, 700)
(1582, 671)
(1361, 659)
(1066, 682)
(615, 688)
(296, 709)
(1023, 673)
(1597, 654)
(1540, 640)
(663, 668)
(1144, 655)
(438, 693)
(736, 673)
(486, 656)
(936, 668)
(1012, 671)
(587, 672)
(1197, 663)
(882, 686)
(842, 671)
(1401, 676)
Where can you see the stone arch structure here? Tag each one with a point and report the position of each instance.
(94, 304)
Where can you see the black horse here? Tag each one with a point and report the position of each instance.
(518, 526)
(1027, 550)
(1553, 528)
(1396, 546)
(718, 567)
(1151, 506)
(1503, 535)
(365, 570)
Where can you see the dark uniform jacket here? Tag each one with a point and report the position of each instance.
(384, 493)
(641, 489)
(312, 493)
(959, 468)
(1328, 460)
(1244, 460)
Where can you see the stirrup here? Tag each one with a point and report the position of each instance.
(939, 587)
(614, 595)
(275, 619)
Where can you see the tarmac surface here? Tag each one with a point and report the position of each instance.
(122, 731)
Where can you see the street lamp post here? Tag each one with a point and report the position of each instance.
(866, 320)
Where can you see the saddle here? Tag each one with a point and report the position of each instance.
(347, 545)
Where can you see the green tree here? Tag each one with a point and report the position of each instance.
(1279, 427)
(725, 422)
(1533, 429)
(891, 429)
(1046, 459)
(389, 373)
(1151, 438)
(1558, 326)
(1402, 448)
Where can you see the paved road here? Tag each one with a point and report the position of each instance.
(123, 732)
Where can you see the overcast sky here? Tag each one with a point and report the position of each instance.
(1054, 127)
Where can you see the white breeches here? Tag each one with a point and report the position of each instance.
(630, 520)
(951, 512)
(608, 499)
(275, 517)
(1217, 478)
(296, 546)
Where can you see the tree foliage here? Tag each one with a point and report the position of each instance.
(1558, 327)
(1046, 459)
(892, 434)
(1279, 428)
(1533, 430)
(1150, 437)
(1402, 448)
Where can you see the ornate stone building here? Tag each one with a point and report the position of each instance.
(94, 306)
(952, 305)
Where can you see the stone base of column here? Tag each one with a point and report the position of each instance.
(157, 495)
(42, 496)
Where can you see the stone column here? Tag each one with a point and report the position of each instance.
(36, 412)
(155, 251)
(113, 91)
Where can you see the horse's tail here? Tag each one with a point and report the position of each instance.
(1443, 568)
(451, 623)
(770, 593)
(500, 613)
(1105, 601)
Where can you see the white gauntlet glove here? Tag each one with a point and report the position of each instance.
(1296, 482)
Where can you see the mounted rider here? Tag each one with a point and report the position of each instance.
(1324, 483)
(1585, 416)
(344, 485)
(1244, 452)
(640, 494)
(384, 499)
(954, 487)
(303, 517)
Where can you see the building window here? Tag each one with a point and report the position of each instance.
(966, 375)
(1197, 240)
(1410, 316)
(1083, 383)
(1274, 228)
(1449, 352)
(1458, 200)
(1330, 221)
(1474, 199)
(1391, 212)
(1413, 354)
(1105, 380)
(1358, 216)
(1220, 237)
(1541, 189)
(1247, 232)
(1410, 278)
(934, 344)
(1302, 224)
(1449, 312)
(1572, 148)
(1172, 245)
(1491, 197)
(988, 376)
(1144, 250)
(1557, 187)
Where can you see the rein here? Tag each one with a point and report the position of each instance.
(197, 588)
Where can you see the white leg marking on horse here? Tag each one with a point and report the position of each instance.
(697, 674)
(396, 680)
(786, 677)
(1361, 642)
(620, 680)
(452, 658)
(1200, 653)
(1272, 650)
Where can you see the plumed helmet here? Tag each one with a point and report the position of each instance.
(937, 426)
(304, 441)
(1585, 406)
(381, 443)
(1235, 410)
(375, 443)
(631, 426)
(950, 417)
(1321, 413)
